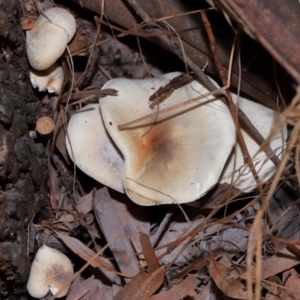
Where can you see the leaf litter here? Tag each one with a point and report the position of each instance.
(157, 253)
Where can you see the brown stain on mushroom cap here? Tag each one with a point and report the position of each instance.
(152, 147)
(59, 277)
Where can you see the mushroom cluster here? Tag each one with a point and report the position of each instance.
(45, 44)
(175, 157)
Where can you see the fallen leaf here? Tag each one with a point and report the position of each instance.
(87, 254)
(195, 265)
(151, 259)
(142, 286)
(293, 285)
(279, 262)
(274, 290)
(111, 226)
(231, 287)
(178, 291)
(85, 203)
(91, 288)
(133, 218)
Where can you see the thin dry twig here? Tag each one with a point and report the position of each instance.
(231, 105)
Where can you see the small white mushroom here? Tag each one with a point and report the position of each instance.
(48, 39)
(93, 150)
(61, 17)
(175, 157)
(236, 172)
(51, 271)
(50, 79)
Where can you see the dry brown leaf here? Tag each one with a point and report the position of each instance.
(195, 265)
(279, 262)
(78, 43)
(86, 253)
(54, 185)
(231, 287)
(151, 259)
(91, 288)
(293, 284)
(64, 218)
(85, 203)
(178, 291)
(133, 217)
(142, 286)
(111, 226)
(274, 290)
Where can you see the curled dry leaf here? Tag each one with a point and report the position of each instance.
(87, 254)
(293, 284)
(151, 259)
(274, 289)
(178, 291)
(231, 287)
(88, 289)
(141, 286)
(279, 262)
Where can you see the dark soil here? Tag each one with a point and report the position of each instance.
(23, 163)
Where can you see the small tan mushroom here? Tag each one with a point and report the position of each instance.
(175, 157)
(51, 271)
(50, 79)
(48, 39)
(44, 125)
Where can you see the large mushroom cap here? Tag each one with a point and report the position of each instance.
(92, 150)
(51, 271)
(236, 172)
(175, 157)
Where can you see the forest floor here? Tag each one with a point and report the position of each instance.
(212, 251)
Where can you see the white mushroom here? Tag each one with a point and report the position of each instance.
(50, 79)
(175, 157)
(48, 39)
(236, 172)
(51, 271)
(93, 150)
(61, 17)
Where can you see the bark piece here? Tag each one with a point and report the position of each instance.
(276, 25)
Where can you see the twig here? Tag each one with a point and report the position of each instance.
(162, 225)
(231, 105)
